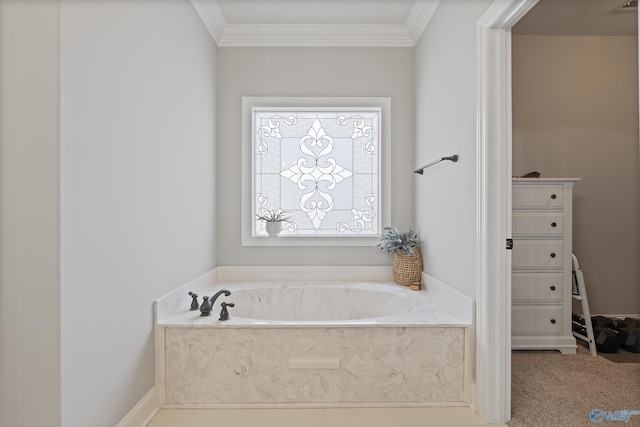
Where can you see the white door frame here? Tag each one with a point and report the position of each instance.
(493, 318)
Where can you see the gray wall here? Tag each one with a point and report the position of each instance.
(575, 114)
(137, 189)
(338, 72)
(29, 215)
(446, 124)
(107, 126)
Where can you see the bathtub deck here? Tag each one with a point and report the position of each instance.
(437, 306)
(422, 358)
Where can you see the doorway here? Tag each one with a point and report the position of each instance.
(575, 115)
(493, 353)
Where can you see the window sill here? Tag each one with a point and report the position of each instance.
(310, 241)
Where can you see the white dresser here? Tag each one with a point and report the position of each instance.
(541, 264)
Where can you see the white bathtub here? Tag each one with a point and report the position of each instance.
(309, 343)
(319, 301)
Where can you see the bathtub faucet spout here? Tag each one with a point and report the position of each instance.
(207, 303)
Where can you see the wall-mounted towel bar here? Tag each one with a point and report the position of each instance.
(453, 158)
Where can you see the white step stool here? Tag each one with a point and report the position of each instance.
(579, 293)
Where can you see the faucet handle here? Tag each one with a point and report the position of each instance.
(224, 313)
(194, 301)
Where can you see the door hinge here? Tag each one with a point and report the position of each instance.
(509, 244)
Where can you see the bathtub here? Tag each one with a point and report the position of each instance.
(292, 342)
(295, 303)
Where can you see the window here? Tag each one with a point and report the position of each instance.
(321, 161)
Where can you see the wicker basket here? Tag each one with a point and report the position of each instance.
(407, 269)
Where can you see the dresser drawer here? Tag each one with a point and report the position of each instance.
(537, 320)
(537, 254)
(537, 287)
(536, 196)
(542, 224)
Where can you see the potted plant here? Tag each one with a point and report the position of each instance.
(407, 261)
(274, 220)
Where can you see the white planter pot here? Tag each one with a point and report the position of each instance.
(273, 228)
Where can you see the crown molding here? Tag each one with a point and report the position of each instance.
(315, 35)
(327, 35)
(419, 17)
(212, 17)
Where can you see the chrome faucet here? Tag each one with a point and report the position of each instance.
(207, 304)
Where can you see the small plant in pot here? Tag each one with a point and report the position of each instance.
(273, 220)
(407, 260)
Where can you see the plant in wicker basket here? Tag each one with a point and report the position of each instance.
(407, 261)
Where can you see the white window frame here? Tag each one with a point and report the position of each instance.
(293, 103)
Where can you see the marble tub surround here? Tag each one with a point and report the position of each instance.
(317, 304)
(331, 302)
(448, 299)
(294, 340)
(377, 366)
(305, 273)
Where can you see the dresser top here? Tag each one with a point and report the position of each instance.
(547, 180)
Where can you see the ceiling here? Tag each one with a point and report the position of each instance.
(390, 23)
(579, 17)
(310, 12)
(395, 23)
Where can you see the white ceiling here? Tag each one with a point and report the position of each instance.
(343, 12)
(395, 23)
(579, 17)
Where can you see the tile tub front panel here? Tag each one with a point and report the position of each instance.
(221, 366)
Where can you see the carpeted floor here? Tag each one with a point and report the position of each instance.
(622, 356)
(554, 390)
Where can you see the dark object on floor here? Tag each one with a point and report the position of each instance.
(630, 339)
(626, 332)
(614, 323)
(631, 322)
(602, 322)
(607, 340)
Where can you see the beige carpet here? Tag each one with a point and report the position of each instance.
(622, 356)
(554, 390)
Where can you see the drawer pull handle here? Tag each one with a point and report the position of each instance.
(553, 321)
(553, 196)
(554, 225)
(553, 255)
(553, 288)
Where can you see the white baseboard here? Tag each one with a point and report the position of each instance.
(142, 413)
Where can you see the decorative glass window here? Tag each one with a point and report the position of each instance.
(324, 161)
(321, 166)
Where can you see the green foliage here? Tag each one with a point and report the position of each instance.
(273, 216)
(394, 242)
